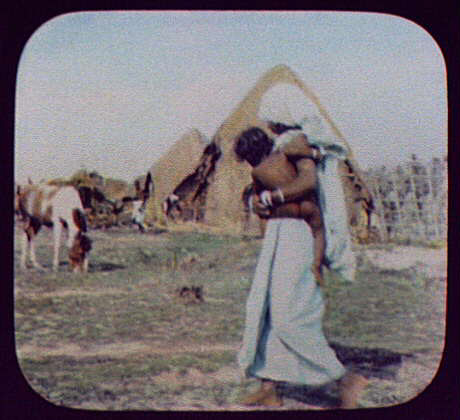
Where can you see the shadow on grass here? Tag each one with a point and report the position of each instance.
(369, 362)
(157, 231)
(323, 396)
(150, 231)
(105, 266)
(95, 267)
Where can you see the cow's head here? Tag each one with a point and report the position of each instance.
(78, 253)
(81, 245)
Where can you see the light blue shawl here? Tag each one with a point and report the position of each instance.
(339, 253)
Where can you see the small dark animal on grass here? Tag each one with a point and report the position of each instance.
(192, 294)
(54, 207)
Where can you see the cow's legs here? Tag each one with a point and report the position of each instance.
(33, 258)
(85, 265)
(72, 233)
(24, 249)
(57, 239)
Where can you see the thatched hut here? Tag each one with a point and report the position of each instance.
(223, 205)
(178, 162)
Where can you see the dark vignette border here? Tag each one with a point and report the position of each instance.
(20, 18)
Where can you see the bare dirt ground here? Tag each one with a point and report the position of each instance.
(120, 338)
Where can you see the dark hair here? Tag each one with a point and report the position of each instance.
(280, 128)
(252, 145)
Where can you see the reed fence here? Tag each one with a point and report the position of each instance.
(411, 200)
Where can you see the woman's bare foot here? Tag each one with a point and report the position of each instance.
(350, 388)
(266, 395)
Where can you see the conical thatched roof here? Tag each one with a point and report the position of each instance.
(223, 196)
(178, 162)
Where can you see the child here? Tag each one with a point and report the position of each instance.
(274, 170)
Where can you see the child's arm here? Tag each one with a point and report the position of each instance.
(304, 183)
(262, 212)
(303, 157)
(287, 210)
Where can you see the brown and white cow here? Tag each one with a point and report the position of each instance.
(55, 207)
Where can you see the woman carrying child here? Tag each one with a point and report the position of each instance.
(283, 338)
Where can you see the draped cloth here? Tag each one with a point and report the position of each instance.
(339, 253)
(283, 337)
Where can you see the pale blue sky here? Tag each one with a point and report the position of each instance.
(111, 91)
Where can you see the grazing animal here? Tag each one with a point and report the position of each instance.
(55, 207)
(193, 294)
(140, 201)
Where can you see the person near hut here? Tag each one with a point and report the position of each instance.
(283, 338)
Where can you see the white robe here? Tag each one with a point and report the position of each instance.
(283, 338)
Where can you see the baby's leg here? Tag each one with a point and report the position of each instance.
(310, 212)
(287, 210)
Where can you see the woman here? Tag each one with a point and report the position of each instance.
(283, 338)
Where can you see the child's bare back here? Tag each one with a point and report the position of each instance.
(277, 171)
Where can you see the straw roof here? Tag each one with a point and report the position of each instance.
(178, 162)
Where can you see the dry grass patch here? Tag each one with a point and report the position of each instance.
(119, 338)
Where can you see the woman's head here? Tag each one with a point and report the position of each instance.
(253, 145)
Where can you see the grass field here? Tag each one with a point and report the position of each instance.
(121, 338)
